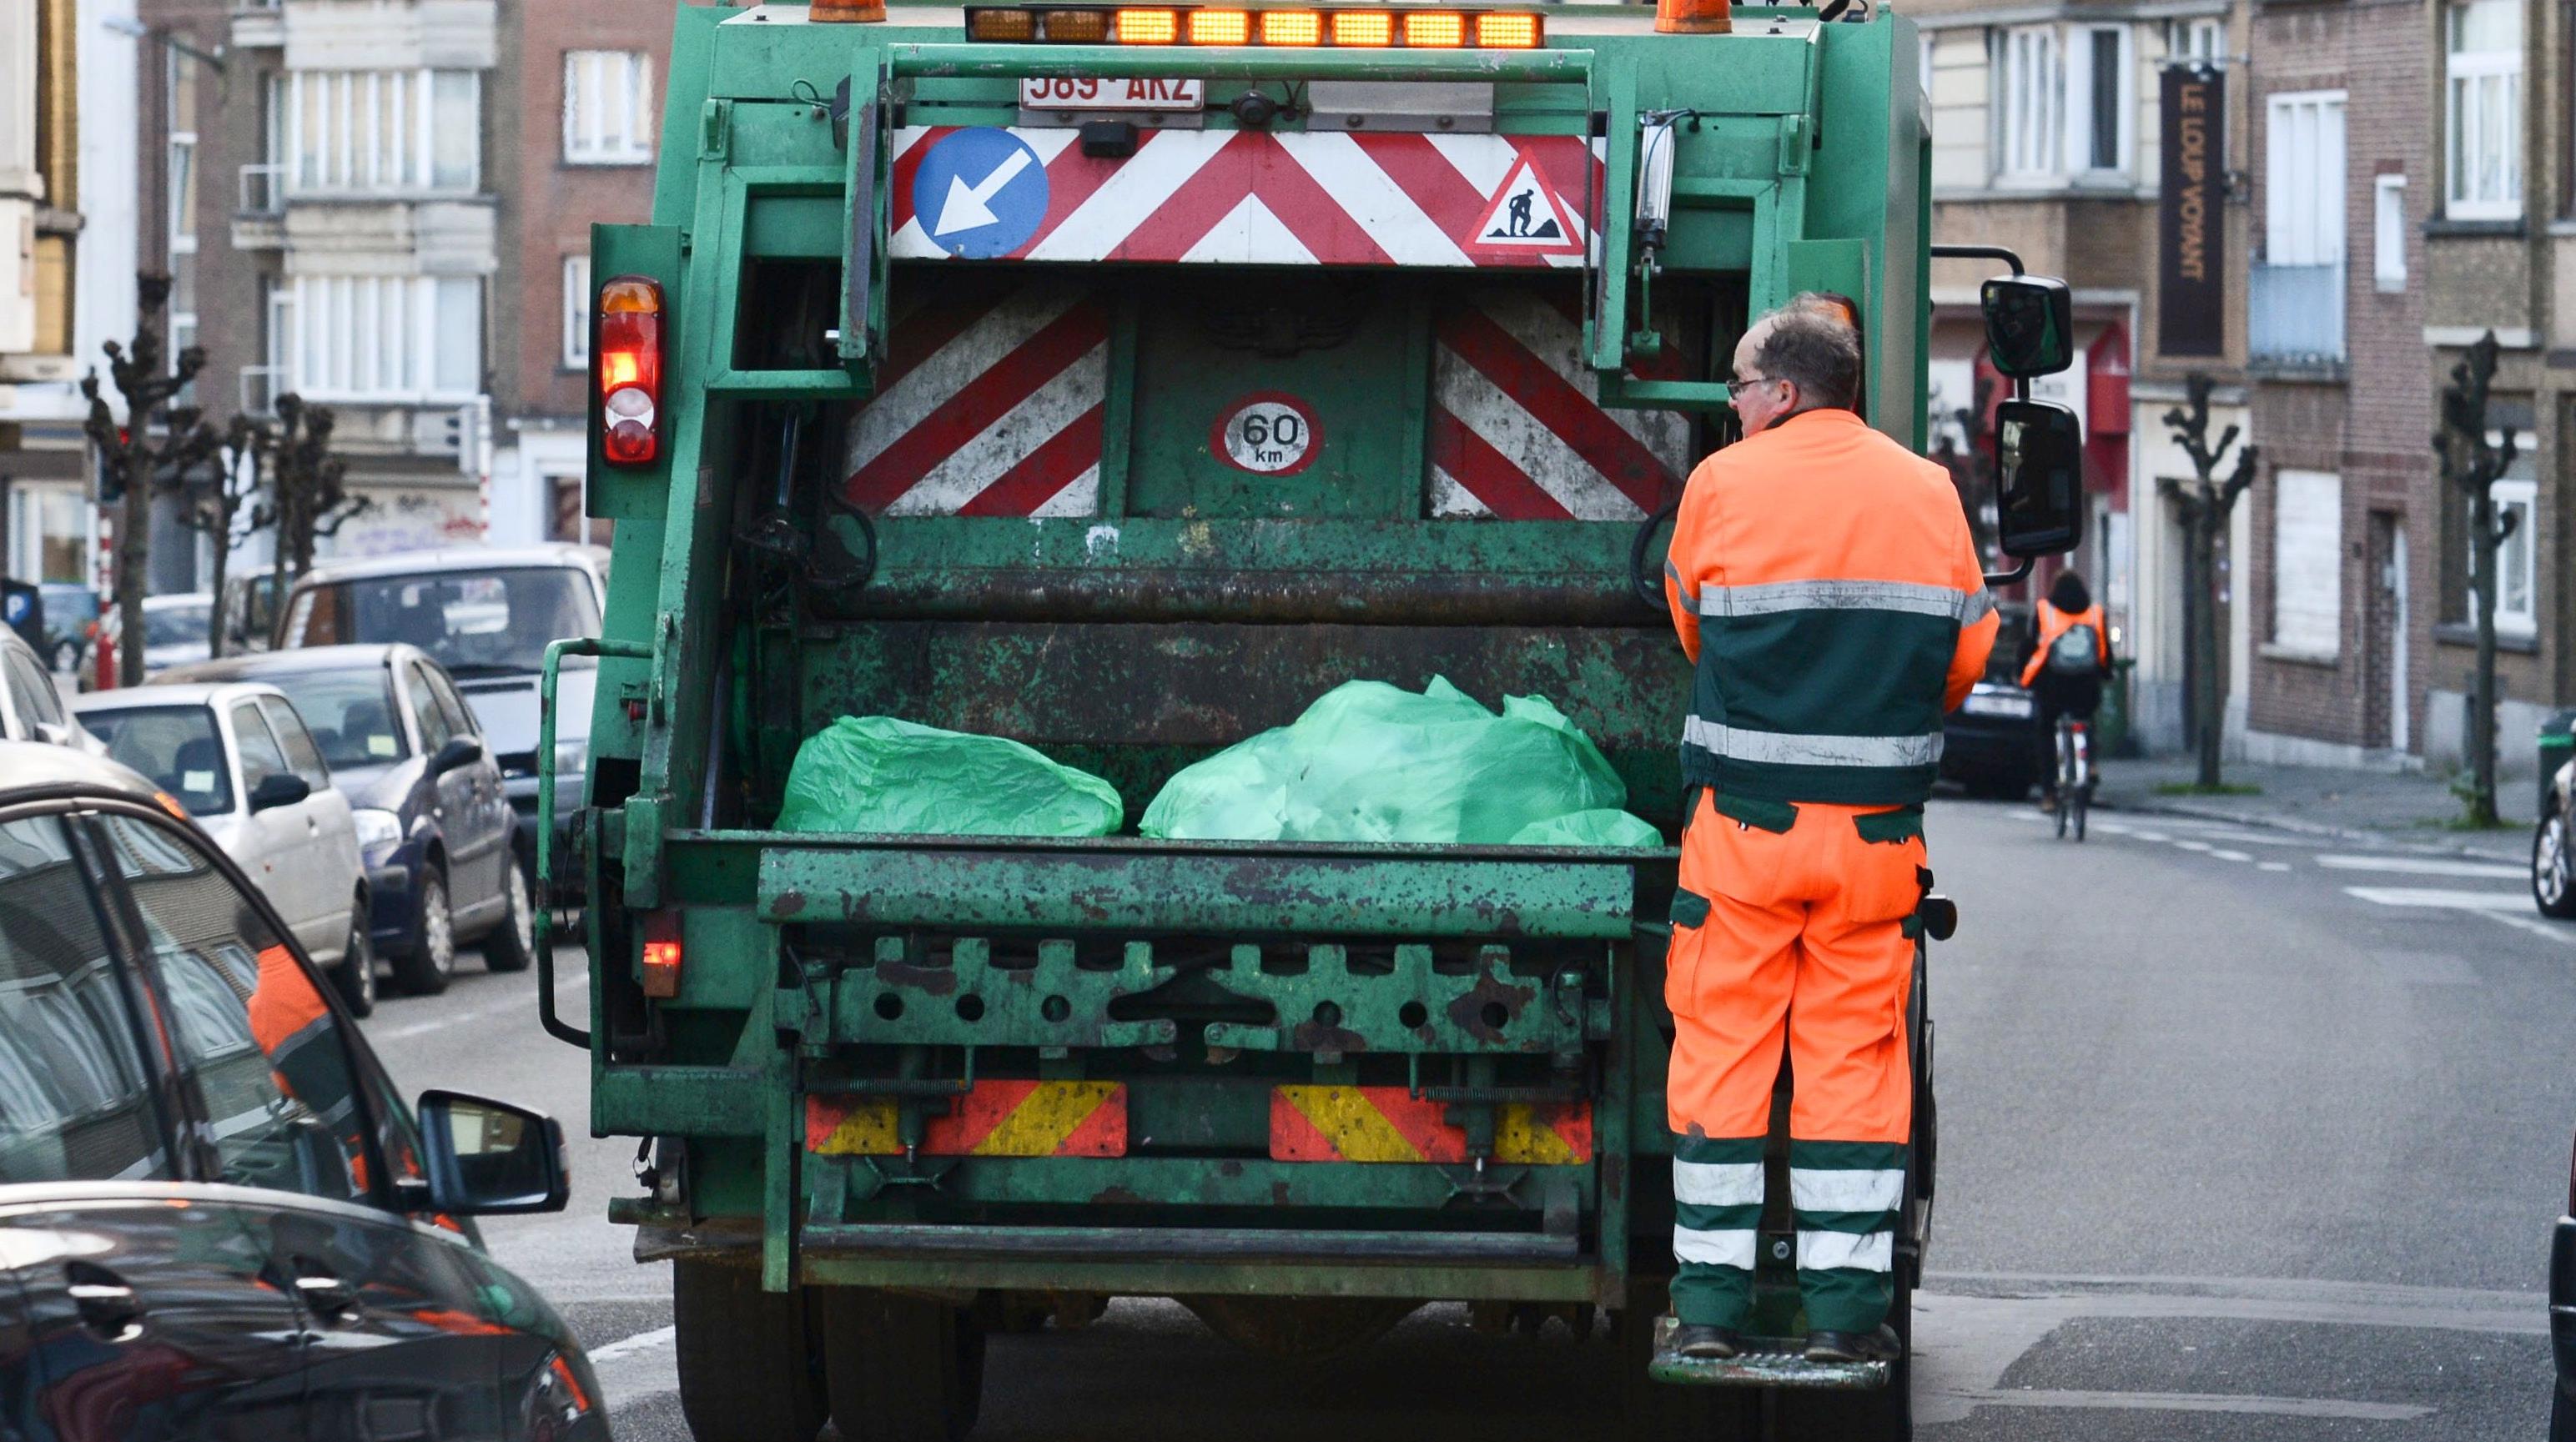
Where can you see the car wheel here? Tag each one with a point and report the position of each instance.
(430, 964)
(2552, 889)
(355, 977)
(513, 944)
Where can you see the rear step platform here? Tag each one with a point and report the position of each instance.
(1766, 1362)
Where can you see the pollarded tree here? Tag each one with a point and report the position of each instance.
(2205, 505)
(156, 441)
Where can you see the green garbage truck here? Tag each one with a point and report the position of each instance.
(1118, 379)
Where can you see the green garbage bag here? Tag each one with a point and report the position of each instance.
(1374, 762)
(1607, 827)
(879, 774)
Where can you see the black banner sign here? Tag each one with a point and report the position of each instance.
(2191, 267)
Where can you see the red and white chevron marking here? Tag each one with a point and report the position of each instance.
(1516, 433)
(1252, 197)
(989, 405)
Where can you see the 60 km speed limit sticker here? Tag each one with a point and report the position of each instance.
(1268, 434)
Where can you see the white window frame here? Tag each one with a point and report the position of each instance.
(2304, 212)
(2308, 639)
(2523, 544)
(2495, 78)
(576, 312)
(592, 135)
(2388, 234)
(373, 339)
(342, 115)
(2029, 105)
(2203, 38)
(2078, 103)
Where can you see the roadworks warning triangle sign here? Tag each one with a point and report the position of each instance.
(1526, 215)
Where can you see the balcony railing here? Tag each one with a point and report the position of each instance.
(2295, 314)
(263, 189)
(260, 388)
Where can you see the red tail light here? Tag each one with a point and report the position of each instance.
(627, 368)
(662, 954)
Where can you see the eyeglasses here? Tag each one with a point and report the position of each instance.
(1740, 382)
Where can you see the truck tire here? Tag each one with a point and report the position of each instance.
(1660, 1411)
(747, 1357)
(900, 1368)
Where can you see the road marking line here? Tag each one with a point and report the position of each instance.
(2537, 927)
(2194, 846)
(2231, 856)
(2438, 896)
(2200, 1402)
(2423, 866)
(2153, 836)
(2274, 865)
(640, 1342)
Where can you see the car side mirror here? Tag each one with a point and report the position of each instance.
(53, 733)
(489, 1158)
(279, 788)
(2030, 324)
(459, 751)
(2039, 479)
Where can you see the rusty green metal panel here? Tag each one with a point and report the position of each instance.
(1130, 886)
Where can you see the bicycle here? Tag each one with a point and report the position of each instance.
(2074, 772)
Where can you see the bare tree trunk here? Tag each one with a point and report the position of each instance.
(2482, 689)
(133, 549)
(2208, 711)
(218, 623)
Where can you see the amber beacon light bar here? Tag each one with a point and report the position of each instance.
(1374, 27)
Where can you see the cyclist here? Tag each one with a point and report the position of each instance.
(2066, 668)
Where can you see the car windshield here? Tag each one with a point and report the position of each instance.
(175, 625)
(177, 746)
(477, 623)
(349, 712)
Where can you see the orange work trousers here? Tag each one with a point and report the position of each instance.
(1791, 929)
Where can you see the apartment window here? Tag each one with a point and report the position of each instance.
(2517, 609)
(2030, 83)
(2482, 103)
(383, 130)
(1926, 42)
(2203, 40)
(2307, 562)
(576, 312)
(608, 107)
(2303, 154)
(387, 338)
(181, 92)
(2100, 84)
(2388, 234)
(567, 498)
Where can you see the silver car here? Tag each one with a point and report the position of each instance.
(31, 704)
(240, 761)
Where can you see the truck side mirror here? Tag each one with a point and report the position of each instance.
(2030, 324)
(2039, 479)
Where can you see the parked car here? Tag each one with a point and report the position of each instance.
(2553, 887)
(71, 623)
(217, 1217)
(1991, 743)
(174, 629)
(31, 705)
(433, 824)
(238, 759)
(486, 615)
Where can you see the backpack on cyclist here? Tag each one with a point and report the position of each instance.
(2077, 651)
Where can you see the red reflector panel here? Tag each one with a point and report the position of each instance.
(996, 1119)
(1390, 1124)
(662, 954)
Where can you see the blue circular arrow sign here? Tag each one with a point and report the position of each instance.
(980, 193)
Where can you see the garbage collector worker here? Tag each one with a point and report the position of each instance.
(1827, 589)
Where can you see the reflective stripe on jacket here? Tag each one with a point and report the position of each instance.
(1824, 581)
(2054, 623)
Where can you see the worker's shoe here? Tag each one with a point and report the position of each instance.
(1706, 1344)
(1879, 1346)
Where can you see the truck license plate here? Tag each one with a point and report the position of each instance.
(1089, 94)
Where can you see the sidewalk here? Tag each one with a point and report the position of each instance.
(2376, 806)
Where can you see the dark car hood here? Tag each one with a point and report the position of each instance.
(507, 707)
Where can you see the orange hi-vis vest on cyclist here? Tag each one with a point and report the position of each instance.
(1825, 583)
(2054, 625)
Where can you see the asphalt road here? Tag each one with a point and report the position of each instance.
(2246, 1135)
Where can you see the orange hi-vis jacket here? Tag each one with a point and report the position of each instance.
(1825, 583)
(2054, 623)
